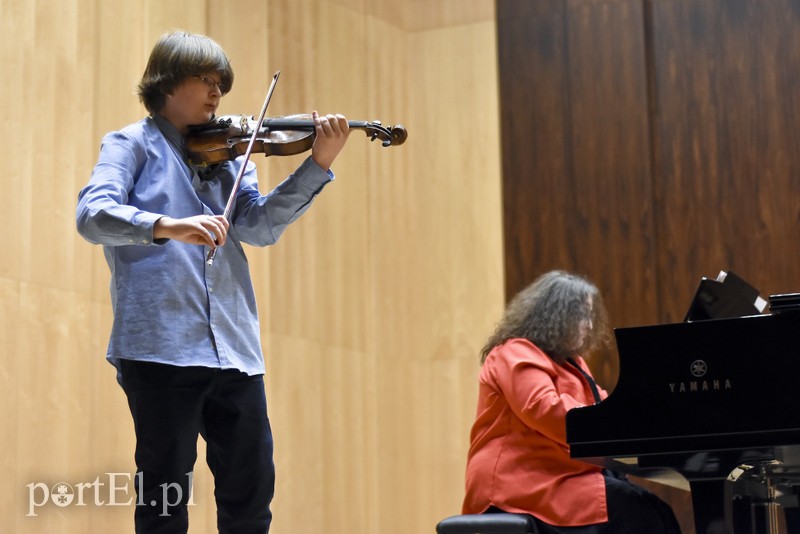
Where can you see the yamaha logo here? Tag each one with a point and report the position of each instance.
(699, 381)
(699, 368)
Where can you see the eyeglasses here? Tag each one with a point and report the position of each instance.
(211, 83)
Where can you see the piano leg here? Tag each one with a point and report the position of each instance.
(756, 494)
(708, 474)
(708, 500)
(766, 509)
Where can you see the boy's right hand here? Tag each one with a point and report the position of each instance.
(209, 230)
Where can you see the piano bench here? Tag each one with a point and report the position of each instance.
(488, 524)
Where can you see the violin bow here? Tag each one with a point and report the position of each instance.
(229, 206)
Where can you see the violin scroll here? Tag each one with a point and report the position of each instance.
(389, 135)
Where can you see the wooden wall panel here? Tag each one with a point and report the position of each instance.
(664, 148)
(577, 176)
(452, 105)
(576, 189)
(374, 306)
(534, 143)
(726, 144)
(408, 356)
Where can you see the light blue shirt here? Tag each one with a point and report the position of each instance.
(169, 306)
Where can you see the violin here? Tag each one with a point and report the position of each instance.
(227, 137)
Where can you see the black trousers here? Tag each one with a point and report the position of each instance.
(631, 510)
(171, 406)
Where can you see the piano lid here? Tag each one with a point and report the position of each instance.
(717, 384)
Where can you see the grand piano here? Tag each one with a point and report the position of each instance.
(705, 397)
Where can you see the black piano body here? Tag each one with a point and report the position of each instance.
(701, 398)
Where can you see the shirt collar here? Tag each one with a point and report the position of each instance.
(174, 137)
(170, 132)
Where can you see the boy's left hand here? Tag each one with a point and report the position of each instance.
(331, 135)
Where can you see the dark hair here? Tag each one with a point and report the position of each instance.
(177, 56)
(548, 313)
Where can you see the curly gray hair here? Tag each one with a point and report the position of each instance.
(548, 313)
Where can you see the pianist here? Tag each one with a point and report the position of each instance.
(532, 374)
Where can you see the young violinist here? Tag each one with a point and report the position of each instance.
(185, 336)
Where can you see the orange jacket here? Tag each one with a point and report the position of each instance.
(518, 457)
